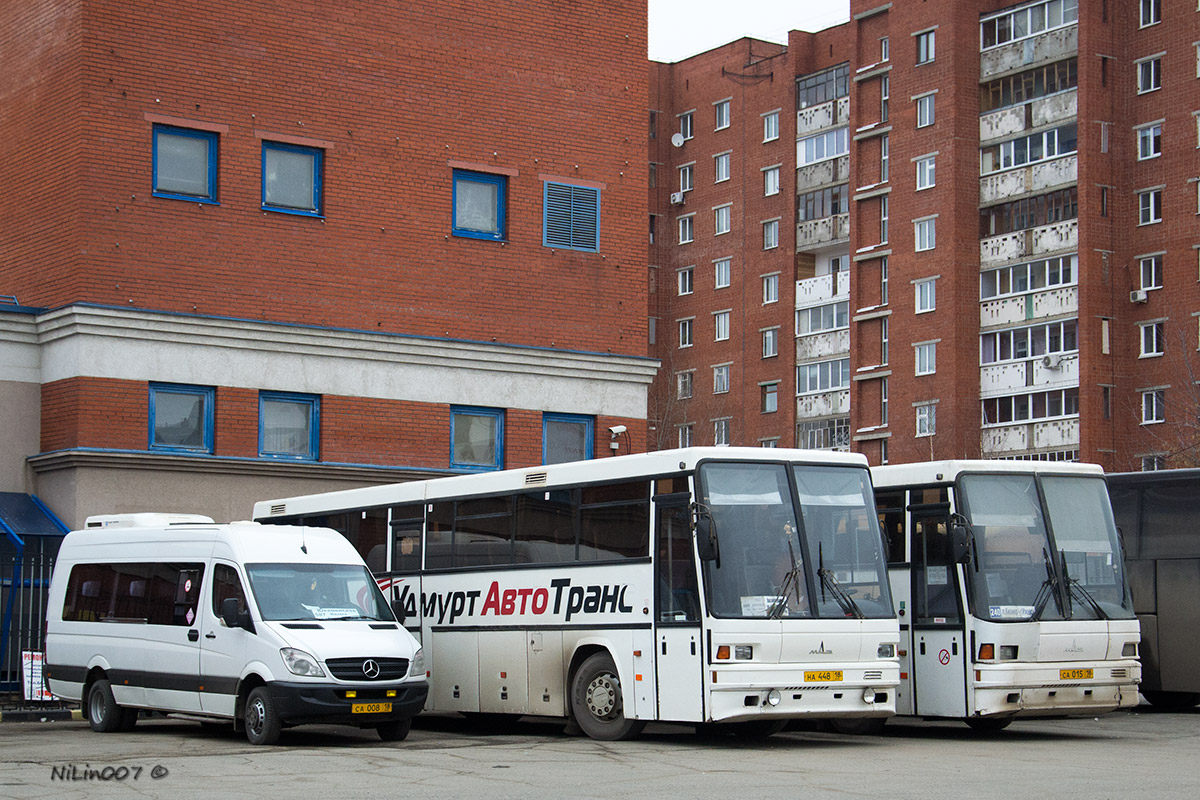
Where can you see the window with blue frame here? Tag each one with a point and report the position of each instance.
(289, 425)
(476, 438)
(291, 178)
(478, 201)
(185, 164)
(181, 417)
(571, 217)
(567, 437)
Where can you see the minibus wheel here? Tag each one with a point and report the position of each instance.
(597, 702)
(261, 721)
(104, 715)
(394, 731)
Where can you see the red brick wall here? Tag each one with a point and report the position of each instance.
(94, 412)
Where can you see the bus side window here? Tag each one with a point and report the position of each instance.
(407, 522)
(890, 506)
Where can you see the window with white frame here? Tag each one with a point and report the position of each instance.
(818, 319)
(883, 219)
(824, 376)
(721, 107)
(926, 419)
(883, 402)
(1029, 149)
(822, 146)
(1149, 139)
(770, 126)
(685, 435)
(683, 385)
(1151, 463)
(721, 379)
(685, 124)
(925, 47)
(926, 166)
(720, 167)
(1027, 21)
(1022, 278)
(685, 178)
(769, 397)
(883, 281)
(770, 181)
(884, 158)
(925, 114)
(722, 219)
(1029, 341)
(1150, 206)
(685, 276)
(1150, 12)
(685, 332)
(720, 326)
(926, 357)
(1153, 409)
(883, 48)
(686, 229)
(883, 340)
(926, 295)
(885, 94)
(722, 270)
(770, 338)
(770, 285)
(721, 432)
(1149, 74)
(770, 234)
(925, 234)
(1151, 269)
(1152, 340)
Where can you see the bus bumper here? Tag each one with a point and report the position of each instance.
(747, 694)
(1039, 690)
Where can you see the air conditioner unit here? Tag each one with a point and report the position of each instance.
(1052, 360)
(676, 198)
(1137, 296)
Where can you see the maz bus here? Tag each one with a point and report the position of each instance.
(1010, 589)
(1158, 514)
(738, 586)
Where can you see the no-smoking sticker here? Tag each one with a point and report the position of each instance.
(944, 657)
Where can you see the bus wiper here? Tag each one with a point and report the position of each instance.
(790, 581)
(1080, 590)
(829, 581)
(1048, 587)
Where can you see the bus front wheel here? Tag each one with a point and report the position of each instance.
(598, 703)
(988, 724)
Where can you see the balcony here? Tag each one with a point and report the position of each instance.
(822, 346)
(1037, 178)
(1005, 123)
(1028, 436)
(1044, 48)
(818, 233)
(822, 289)
(822, 173)
(825, 404)
(999, 380)
(1036, 305)
(1056, 237)
(824, 115)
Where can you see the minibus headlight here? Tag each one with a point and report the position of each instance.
(299, 662)
(416, 669)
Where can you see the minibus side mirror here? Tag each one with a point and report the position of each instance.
(234, 615)
(398, 610)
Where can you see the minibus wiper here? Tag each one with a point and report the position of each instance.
(1080, 590)
(828, 580)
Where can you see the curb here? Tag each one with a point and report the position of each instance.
(49, 715)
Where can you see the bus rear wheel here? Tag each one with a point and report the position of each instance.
(1171, 701)
(597, 702)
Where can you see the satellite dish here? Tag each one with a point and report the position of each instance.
(677, 139)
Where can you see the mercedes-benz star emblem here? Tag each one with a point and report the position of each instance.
(370, 669)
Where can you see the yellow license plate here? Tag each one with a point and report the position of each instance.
(370, 708)
(1074, 674)
(827, 676)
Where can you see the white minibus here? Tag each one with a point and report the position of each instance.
(260, 626)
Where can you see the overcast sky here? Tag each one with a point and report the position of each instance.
(680, 29)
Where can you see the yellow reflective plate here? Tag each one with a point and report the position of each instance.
(1074, 674)
(370, 708)
(826, 676)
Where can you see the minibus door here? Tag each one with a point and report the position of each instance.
(937, 653)
(223, 650)
(678, 657)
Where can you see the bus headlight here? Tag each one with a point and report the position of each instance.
(299, 662)
(416, 669)
(743, 652)
(886, 651)
(1129, 650)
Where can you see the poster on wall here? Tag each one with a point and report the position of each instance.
(31, 670)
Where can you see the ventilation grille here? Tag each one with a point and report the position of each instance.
(1120, 673)
(278, 508)
(535, 479)
(873, 675)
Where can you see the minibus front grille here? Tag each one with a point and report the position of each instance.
(368, 669)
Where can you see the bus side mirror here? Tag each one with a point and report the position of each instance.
(398, 611)
(706, 536)
(960, 543)
(234, 616)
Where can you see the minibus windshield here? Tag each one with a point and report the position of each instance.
(316, 591)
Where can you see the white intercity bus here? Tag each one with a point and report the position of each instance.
(739, 587)
(1010, 588)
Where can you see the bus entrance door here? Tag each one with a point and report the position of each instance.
(937, 651)
(678, 657)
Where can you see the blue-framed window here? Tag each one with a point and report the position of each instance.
(571, 217)
(476, 438)
(567, 437)
(291, 178)
(181, 417)
(479, 204)
(184, 164)
(289, 425)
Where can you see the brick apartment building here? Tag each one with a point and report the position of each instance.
(953, 230)
(253, 249)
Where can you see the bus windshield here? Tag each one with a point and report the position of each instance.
(829, 564)
(316, 591)
(1020, 559)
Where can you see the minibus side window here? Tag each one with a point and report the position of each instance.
(226, 584)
